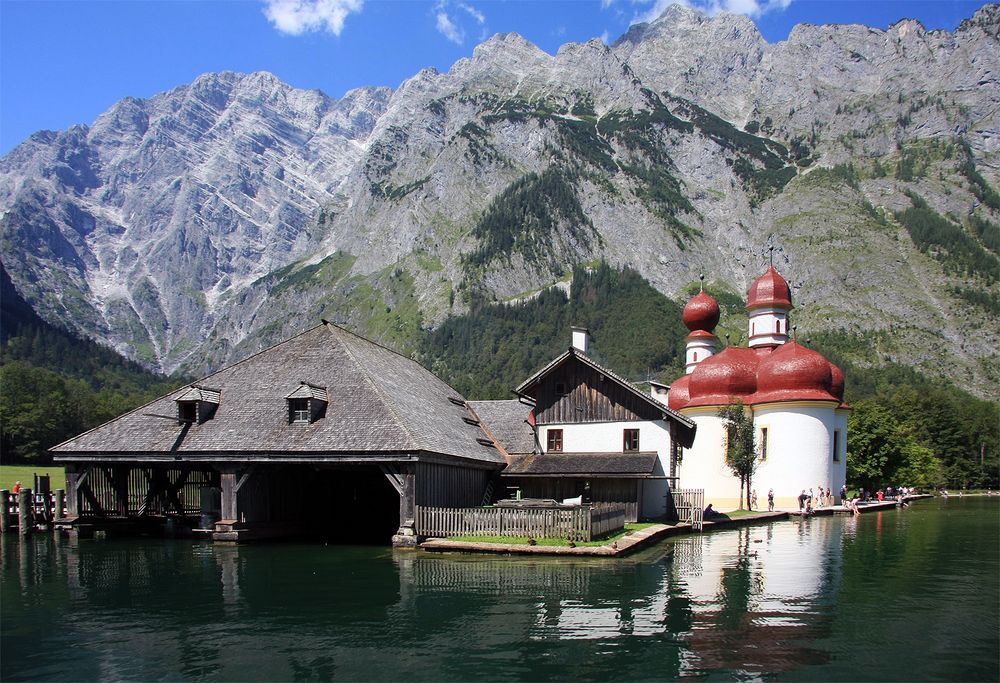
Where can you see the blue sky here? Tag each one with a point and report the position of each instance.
(65, 61)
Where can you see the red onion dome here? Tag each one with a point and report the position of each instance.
(678, 395)
(795, 373)
(770, 289)
(725, 377)
(701, 312)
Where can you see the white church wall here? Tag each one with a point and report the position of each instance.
(704, 464)
(799, 450)
(838, 465)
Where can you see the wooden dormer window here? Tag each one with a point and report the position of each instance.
(307, 403)
(187, 412)
(298, 410)
(630, 440)
(197, 404)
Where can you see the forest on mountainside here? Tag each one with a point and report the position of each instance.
(54, 385)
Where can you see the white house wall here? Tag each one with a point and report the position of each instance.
(608, 437)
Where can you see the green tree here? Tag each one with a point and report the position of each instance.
(741, 446)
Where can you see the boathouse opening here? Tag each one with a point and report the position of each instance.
(348, 504)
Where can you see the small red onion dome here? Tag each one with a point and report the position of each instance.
(770, 289)
(725, 377)
(795, 373)
(701, 312)
(678, 395)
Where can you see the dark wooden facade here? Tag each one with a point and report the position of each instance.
(575, 392)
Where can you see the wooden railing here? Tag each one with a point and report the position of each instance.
(690, 504)
(583, 523)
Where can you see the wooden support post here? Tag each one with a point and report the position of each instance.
(121, 489)
(72, 492)
(227, 479)
(231, 480)
(406, 535)
(4, 511)
(24, 511)
(57, 513)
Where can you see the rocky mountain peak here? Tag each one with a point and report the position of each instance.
(196, 225)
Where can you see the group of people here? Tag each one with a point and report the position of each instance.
(822, 499)
(825, 497)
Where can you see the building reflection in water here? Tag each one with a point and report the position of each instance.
(747, 600)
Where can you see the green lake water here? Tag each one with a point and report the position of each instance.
(909, 594)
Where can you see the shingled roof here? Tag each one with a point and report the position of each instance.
(379, 402)
(618, 465)
(507, 420)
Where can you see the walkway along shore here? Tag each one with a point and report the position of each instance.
(643, 537)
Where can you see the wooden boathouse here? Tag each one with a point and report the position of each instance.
(326, 434)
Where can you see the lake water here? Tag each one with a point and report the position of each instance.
(912, 594)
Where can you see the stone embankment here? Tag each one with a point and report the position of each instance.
(643, 537)
(621, 546)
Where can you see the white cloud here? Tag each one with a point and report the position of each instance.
(296, 17)
(449, 29)
(474, 13)
(605, 37)
(752, 8)
(450, 20)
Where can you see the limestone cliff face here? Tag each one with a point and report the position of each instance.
(210, 220)
(131, 230)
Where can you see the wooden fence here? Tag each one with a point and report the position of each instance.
(583, 523)
(690, 504)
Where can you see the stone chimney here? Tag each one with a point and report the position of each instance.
(581, 339)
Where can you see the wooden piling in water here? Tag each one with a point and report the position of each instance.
(57, 515)
(4, 511)
(24, 512)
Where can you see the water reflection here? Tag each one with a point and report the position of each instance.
(751, 602)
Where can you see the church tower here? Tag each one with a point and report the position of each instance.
(768, 304)
(701, 315)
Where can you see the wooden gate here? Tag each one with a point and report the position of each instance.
(690, 505)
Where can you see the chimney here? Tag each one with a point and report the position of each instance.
(659, 391)
(581, 339)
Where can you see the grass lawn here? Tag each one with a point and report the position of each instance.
(25, 474)
(523, 540)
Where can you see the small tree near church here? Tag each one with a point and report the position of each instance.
(741, 447)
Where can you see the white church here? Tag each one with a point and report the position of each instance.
(796, 397)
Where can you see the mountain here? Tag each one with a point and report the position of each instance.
(209, 221)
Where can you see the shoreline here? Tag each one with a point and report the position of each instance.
(644, 537)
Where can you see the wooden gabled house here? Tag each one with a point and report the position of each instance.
(594, 435)
(325, 432)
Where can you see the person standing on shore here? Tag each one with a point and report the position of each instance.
(753, 500)
(802, 500)
(843, 495)
(770, 500)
